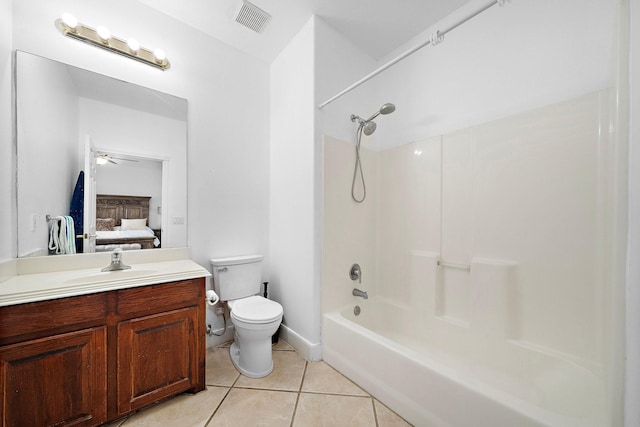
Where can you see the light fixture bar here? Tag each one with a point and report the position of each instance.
(130, 49)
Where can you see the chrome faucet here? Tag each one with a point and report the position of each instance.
(358, 293)
(355, 273)
(116, 261)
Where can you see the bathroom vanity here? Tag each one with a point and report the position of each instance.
(127, 339)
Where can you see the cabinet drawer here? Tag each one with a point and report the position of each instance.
(39, 319)
(157, 298)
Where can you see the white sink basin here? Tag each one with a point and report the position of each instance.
(109, 276)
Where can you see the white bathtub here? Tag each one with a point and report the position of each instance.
(439, 375)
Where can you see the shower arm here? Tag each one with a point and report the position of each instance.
(376, 114)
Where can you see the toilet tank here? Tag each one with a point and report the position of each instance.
(237, 277)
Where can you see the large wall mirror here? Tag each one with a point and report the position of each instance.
(121, 145)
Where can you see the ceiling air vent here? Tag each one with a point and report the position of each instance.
(251, 16)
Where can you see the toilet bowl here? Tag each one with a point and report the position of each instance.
(255, 319)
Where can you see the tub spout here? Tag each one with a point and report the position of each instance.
(358, 293)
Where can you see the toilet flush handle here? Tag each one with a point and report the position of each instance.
(222, 269)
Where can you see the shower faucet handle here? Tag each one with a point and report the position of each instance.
(355, 273)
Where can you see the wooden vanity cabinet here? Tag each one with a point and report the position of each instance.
(87, 360)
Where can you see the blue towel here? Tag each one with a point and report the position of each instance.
(76, 209)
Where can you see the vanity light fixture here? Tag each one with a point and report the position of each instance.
(69, 26)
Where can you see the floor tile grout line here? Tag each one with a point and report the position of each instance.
(266, 389)
(295, 407)
(345, 377)
(217, 407)
(300, 390)
(328, 393)
(298, 401)
(375, 413)
(304, 374)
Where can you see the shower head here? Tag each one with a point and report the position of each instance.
(369, 127)
(387, 108)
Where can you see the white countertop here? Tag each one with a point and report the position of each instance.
(50, 278)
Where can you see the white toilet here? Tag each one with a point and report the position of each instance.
(236, 280)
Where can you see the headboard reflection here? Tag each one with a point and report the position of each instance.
(118, 207)
(111, 210)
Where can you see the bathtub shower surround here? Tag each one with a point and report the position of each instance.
(489, 263)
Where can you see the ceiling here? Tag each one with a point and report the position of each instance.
(376, 26)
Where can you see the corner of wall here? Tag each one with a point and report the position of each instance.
(632, 296)
(7, 151)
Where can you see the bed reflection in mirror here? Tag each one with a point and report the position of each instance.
(139, 140)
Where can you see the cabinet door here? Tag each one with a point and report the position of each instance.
(157, 357)
(58, 380)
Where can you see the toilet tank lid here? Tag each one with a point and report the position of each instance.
(234, 260)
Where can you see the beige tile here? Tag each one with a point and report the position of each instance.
(322, 378)
(387, 418)
(220, 369)
(282, 346)
(116, 423)
(288, 368)
(330, 410)
(244, 407)
(185, 410)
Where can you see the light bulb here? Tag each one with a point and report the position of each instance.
(69, 20)
(103, 33)
(101, 160)
(133, 45)
(159, 54)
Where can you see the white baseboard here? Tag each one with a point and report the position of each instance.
(308, 350)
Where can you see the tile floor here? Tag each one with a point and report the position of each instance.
(297, 393)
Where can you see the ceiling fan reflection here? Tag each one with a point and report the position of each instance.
(103, 159)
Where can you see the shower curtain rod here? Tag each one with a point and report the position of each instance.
(435, 39)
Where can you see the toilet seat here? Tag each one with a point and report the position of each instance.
(255, 309)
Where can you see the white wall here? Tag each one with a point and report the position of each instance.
(338, 64)
(8, 247)
(226, 90)
(228, 102)
(349, 229)
(632, 386)
(48, 152)
(506, 60)
(292, 251)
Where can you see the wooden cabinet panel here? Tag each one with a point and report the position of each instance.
(28, 321)
(152, 299)
(86, 360)
(55, 380)
(156, 357)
